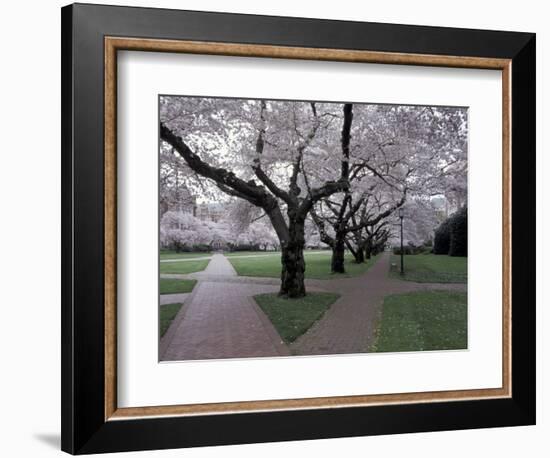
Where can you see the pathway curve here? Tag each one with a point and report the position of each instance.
(221, 319)
(241, 279)
(173, 298)
(349, 325)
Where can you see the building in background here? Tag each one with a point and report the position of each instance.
(211, 211)
(177, 199)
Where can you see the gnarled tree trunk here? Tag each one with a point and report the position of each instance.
(265, 195)
(293, 263)
(356, 251)
(368, 247)
(338, 252)
(292, 275)
(360, 256)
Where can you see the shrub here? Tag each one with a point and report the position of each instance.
(245, 247)
(378, 248)
(397, 250)
(179, 247)
(201, 247)
(451, 237)
(408, 249)
(459, 233)
(442, 238)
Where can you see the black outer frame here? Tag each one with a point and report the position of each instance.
(84, 429)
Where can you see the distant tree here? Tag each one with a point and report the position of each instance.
(174, 193)
(181, 231)
(420, 219)
(352, 224)
(395, 153)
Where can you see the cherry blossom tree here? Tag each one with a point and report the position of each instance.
(397, 152)
(181, 231)
(346, 167)
(254, 150)
(174, 192)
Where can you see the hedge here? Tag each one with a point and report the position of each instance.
(451, 237)
(459, 233)
(442, 238)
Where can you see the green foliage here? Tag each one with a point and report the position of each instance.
(451, 237)
(427, 320)
(411, 249)
(198, 248)
(459, 233)
(248, 247)
(442, 238)
(179, 247)
(429, 268)
(292, 317)
(167, 313)
(176, 285)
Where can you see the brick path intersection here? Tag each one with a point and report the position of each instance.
(220, 318)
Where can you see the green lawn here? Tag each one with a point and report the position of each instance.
(427, 320)
(234, 254)
(431, 268)
(176, 285)
(167, 254)
(167, 313)
(231, 254)
(183, 267)
(317, 266)
(293, 317)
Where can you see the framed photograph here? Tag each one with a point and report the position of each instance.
(282, 228)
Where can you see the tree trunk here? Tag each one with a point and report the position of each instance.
(266, 196)
(338, 251)
(368, 248)
(368, 251)
(356, 252)
(360, 256)
(293, 263)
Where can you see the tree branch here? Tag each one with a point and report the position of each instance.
(257, 168)
(323, 235)
(329, 188)
(382, 215)
(248, 190)
(346, 138)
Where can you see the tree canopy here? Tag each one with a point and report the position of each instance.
(339, 170)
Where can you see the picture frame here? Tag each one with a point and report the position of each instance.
(91, 37)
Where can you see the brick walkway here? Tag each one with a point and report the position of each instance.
(173, 298)
(349, 325)
(218, 265)
(220, 319)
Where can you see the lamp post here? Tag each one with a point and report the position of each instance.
(401, 215)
